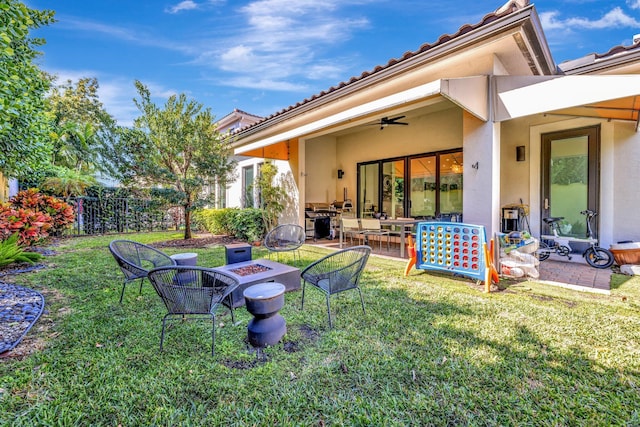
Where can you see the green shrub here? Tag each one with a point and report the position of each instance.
(244, 224)
(215, 221)
(248, 224)
(11, 252)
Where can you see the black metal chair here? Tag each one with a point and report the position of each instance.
(337, 272)
(195, 292)
(285, 238)
(136, 259)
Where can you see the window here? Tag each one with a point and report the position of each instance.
(221, 199)
(247, 187)
(421, 186)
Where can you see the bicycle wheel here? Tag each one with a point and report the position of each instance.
(598, 257)
(543, 251)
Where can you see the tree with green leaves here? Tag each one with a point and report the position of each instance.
(80, 125)
(273, 194)
(24, 125)
(177, 146)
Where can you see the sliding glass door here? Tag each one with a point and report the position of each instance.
(368, 189)
(450, 200)
(393, 188)
(422, 186)
(423, 194)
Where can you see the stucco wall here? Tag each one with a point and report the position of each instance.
(320, 171)
(514, 180)
(235, 192)
(619, 163)
(441, 130)
(626, 176)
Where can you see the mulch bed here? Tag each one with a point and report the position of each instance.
(201, 241)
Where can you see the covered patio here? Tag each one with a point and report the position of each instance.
(575, 274)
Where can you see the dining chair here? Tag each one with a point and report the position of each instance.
(351, 228)
(372, 227)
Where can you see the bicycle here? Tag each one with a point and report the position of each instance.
(595, 255)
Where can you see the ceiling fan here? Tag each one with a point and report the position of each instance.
(387, 121)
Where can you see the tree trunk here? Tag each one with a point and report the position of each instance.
(187, 221)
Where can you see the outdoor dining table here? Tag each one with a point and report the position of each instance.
(406, 224)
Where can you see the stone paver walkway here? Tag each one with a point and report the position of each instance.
(575, 275)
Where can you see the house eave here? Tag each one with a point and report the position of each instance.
(594, 65)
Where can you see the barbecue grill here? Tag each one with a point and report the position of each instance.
(318, 218)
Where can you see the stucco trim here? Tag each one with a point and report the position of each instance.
(470, 93)
(584, 96)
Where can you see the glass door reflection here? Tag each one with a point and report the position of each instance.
(422, 194)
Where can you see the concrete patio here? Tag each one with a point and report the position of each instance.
(575, 274)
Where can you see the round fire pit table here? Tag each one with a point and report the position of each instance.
(263, 301)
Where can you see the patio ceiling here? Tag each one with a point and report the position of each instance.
(470, 93)
(606, 97)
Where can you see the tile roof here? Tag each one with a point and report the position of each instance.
(508, 8)
(616, 50)
(616, 53)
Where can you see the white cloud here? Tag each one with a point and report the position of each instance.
(282, 41)
(272, 42)
(183, 5)
(614, 19)
(191, 5)
(127, 34)
(633, 4)
(252, 82)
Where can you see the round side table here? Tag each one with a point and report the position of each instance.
(263, 301)
(187, 259)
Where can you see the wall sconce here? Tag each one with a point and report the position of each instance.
(340, 173)
(520, 157)
(475, 166)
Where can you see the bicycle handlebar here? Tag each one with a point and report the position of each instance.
(589, 212)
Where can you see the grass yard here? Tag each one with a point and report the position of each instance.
(431, 350)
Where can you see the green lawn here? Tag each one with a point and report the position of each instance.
(431, 350)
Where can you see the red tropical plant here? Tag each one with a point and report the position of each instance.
(61, 213)
(31, 225)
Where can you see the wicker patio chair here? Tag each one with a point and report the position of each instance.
(136, 259)
(193, 292)
(285, 238)
(337, 272)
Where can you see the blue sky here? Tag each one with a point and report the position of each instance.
(261, 56)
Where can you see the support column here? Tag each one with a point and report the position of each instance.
(481, 179)
(301, 173)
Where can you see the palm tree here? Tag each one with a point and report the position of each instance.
(75, 146)
(68, 182)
